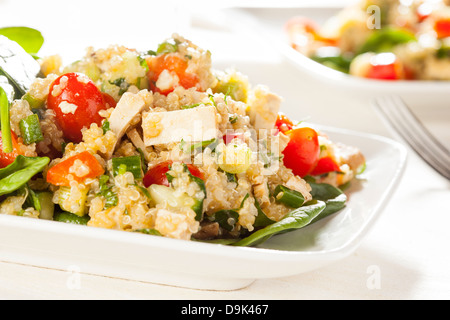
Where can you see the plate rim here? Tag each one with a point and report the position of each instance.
(255, 252)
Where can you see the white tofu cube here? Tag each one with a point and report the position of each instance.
(194, 125)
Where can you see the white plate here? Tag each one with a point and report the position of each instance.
(268, 24)
(209, 266)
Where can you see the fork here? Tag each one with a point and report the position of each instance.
(400, 117)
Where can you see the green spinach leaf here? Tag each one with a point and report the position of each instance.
(18, 173)
(333, 197)
(31, 40)
(294, 220)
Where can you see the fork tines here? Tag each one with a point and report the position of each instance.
(410, 128)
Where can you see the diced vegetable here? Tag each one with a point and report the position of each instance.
(31, 129)
(131, 164)
(234, 158)
(67, 203)
(167, 195)
(47, 209)
(325, 165)
(80, 167)
(302, 152)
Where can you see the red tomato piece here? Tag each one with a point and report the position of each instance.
(325, 165)
(58, 174)
(230, 136)
(76, 101)
(442, 28)
(157, 174)
(283, 123)
(7, 158)
(385, 66)
(302, 152)
(176, 66)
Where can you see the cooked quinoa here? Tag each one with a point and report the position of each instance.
(173, 144)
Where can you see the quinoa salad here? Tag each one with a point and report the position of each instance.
(380, 39)
(159, 142)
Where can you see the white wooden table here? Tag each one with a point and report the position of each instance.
(405, 256)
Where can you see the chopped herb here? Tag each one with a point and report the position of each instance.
(122, 84)
(105, 126)
(233, 119)
(191, 106)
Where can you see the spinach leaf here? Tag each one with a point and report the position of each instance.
(333, 197)
(261, 219)
(384, 40)
(225, 218)
(18, 173)
(294, 220)
(17, 65)
(31, 40)
(339, 63)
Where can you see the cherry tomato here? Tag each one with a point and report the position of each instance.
(302, 152)
(109, 100)
(385, 66)
(157, 174)
(7, 158)
(176, 66)
(325, 165)
(283, 123)
(76, 101)
(442, 28)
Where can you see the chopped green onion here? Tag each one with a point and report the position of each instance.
(31, 129)
(131, 164)
(105, 126)
(289, 197)
(5, 122)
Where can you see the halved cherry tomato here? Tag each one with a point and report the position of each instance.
(283, 123)
(302, 152)
(442, 28)
(58, 174)
(7, 158)
(109, 100)
(157, 174)
(325, 165)
(76, 101)
(176, 67)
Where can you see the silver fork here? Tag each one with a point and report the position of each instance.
(400, 117)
